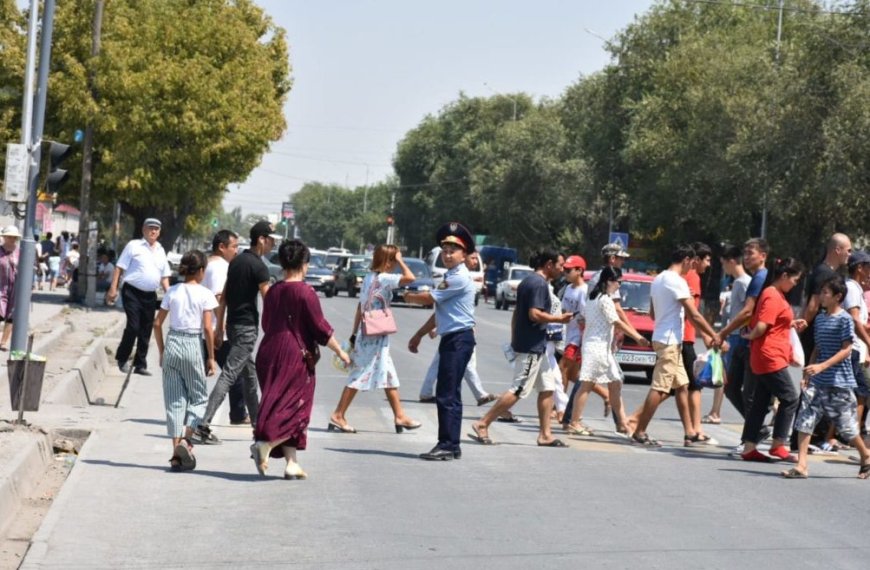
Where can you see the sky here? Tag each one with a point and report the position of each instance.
(365, 72)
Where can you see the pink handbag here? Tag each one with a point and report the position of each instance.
(377, 322)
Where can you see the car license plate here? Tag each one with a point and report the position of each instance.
(642, 358)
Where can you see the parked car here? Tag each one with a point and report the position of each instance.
(349, 274)
(635, 301)
(506, 290)
(436, 266)
(333, 259)
(496, 261)
(423, 281)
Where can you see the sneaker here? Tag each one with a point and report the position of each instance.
(142, 371)
(204, 436)
(243, 422)
(737, 451)
(427, 399)
(124, 368)
(487, 399)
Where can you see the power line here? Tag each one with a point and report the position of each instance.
(399, 187)
(336, 161)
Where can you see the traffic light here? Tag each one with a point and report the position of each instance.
(57, 153)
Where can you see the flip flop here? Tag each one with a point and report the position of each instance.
(582, 431)
(864, 471)
(557, 443)
(481, 439)
(794, 474)
(645, 440)
(511, 419)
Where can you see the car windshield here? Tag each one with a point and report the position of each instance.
(635, 295)
(520, 274)
(332, 260)
(417, 266)
(359, 265)
(316, 261)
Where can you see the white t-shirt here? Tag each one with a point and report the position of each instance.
(667, 289)
(855, 298)
(574, 301)
(186, 302)
(215, 279)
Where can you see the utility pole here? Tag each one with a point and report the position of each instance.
(776, 69)
(88, 263)
(27, 256)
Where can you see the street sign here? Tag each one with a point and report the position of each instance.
(15, 178)
(620, 238)
(287, 211)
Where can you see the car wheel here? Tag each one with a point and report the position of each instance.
(329, 293)
(497, 304)
(351, 292)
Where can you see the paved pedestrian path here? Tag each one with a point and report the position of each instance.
(371, 503)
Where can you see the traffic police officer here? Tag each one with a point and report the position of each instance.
(454, 319)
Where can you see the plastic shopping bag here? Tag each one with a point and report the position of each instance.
(709, 369)
(797, 349)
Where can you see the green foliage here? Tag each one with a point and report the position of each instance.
(12, 63)
(188, 97)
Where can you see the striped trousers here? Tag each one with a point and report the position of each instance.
(184, 390)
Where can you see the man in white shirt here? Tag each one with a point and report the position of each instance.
(671, 301)
(105, 270)
(224, 247)
(145, 267)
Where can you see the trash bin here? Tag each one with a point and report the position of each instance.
(35, 374)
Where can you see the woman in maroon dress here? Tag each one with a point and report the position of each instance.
(293, 326)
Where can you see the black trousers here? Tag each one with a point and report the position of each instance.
(455, 350)
(238, 411)
(140, 307)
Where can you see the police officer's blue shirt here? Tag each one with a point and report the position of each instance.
(454, 301)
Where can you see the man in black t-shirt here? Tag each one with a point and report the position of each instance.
(532, 367)
(837, 252)
(247, 276)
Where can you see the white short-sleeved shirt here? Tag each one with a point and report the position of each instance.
(215, 278)
(574, 301)
(186, 302)
(667, 290)
(143, 265)
(855, 298)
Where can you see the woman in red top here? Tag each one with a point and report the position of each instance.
(769, 356)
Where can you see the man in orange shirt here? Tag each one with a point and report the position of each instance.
(703, 255)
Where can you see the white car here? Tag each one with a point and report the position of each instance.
(506, 290)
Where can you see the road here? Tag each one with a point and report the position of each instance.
(371, 503)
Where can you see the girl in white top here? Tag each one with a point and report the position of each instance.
(189, 306)
(599, 364)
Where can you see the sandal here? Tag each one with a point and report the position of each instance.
(645, 440)
(175, 463)
(793, 473)
(509, 419)
(582, 430)
(864, 471)
(482, 439)
(183, 452)
(710, 419)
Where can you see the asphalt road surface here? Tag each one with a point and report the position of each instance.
(370, 502)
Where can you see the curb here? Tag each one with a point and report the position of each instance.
(39, 542)
(74, 388)
(21, 476)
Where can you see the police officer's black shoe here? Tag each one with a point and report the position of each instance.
(438, 454)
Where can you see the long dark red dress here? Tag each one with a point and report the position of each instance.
(291, 314)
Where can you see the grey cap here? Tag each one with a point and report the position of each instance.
(858, 257)
(152, 222)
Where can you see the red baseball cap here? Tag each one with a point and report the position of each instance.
(575, 261)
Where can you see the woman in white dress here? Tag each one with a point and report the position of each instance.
(599, 364)
(372, 364)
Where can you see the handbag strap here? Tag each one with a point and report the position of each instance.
(374, 293)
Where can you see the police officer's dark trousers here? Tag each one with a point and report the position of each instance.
(455, 352)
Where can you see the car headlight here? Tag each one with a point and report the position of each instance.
(359, 279)
(326, 278)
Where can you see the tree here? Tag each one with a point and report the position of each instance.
(323, 214)
(190, 95)
(12, 63)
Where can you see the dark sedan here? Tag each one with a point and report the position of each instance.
(423, 281)
(320, 277)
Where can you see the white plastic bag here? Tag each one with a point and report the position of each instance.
(797, 349)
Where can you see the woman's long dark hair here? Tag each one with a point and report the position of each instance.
(608, 274)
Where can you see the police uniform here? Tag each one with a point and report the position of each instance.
(454, 317)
